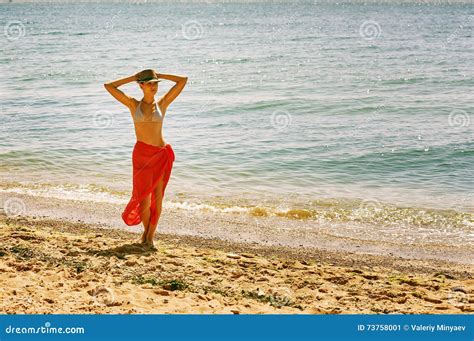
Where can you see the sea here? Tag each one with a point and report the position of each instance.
(349, 118)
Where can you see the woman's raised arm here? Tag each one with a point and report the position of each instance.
(112, 88)
(175, 90)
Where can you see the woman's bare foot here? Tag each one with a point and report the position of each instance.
(149, 244)
(142, 239)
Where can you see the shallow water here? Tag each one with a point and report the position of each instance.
(331, 114)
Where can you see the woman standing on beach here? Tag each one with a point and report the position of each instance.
(152, 157)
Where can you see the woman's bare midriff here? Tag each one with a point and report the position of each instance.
(150, 132)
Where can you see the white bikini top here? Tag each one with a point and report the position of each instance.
(156, 117)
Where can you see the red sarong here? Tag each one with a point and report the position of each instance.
(149, 164)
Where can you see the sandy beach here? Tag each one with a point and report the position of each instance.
(58, 266)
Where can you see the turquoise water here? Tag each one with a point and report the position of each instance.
(296, 105)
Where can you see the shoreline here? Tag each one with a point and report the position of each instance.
(236, 228)
(59, 266)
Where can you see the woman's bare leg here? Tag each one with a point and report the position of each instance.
(159, 205)
(145, 216)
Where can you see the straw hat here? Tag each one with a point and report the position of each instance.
(148, 76)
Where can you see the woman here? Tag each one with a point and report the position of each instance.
(152, 157)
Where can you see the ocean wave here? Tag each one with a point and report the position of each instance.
(340, 210)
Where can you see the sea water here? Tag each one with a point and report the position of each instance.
(342, 112)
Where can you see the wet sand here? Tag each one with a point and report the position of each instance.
(236, 228)
(59, 266)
